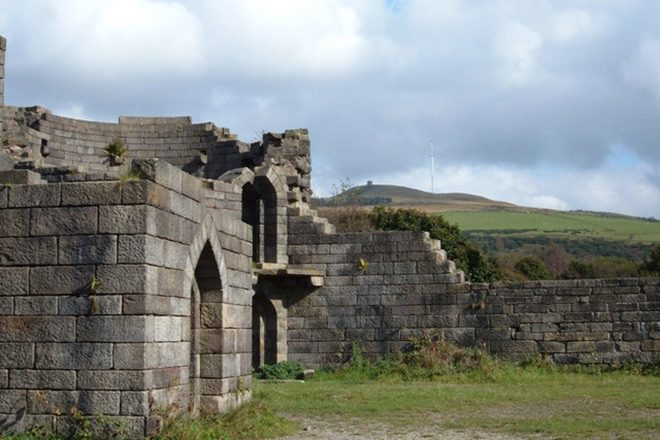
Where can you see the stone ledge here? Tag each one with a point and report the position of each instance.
(315, 277)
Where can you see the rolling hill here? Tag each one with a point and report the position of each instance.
(489, 221)
(401, 196)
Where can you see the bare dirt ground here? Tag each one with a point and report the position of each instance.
(339, 429)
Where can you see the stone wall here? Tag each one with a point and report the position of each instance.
(175, 140)
(3, 49)
(289, 152)
(409, 289)
(107, 287)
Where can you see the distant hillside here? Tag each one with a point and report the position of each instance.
(401, 196)
(504, 227)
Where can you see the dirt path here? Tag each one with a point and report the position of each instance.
(327, 429)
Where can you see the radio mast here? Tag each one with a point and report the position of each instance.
(432, 168)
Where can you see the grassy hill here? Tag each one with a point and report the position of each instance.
(501, 227)
(401, 196)
(558, 224)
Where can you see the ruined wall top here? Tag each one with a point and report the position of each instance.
(34, 138)
(3, 48)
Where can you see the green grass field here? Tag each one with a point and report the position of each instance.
(556, 224)
(562, 405)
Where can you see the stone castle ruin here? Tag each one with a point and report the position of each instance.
(159, 278)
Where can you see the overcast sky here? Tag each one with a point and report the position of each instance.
(543, 103)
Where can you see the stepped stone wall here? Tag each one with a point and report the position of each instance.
(409, 289)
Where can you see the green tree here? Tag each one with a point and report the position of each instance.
(532, 268)
(579, 270)
(651, 267)
(466, 254)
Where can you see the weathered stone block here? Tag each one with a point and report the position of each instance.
(134, 403)
(90, 304)
(167, 328)
(220, 366)
(160, 172)
(140, 249)
(4, 196)
(155, 305)
(112, 380)
(35, 305)
(14, 222)
(16, 355)
(551, 347)
(133, 356)
(36, 328)
(580, 346)
(13, 281)
(91, 193)
(20, 177)
(651, 345)
(88, 249)
(114, 329)
(61, 279)
(64, 221)
(88, 402)
(128, 278)
(21, 196)
(75, 356)
(12, 401)
(43, 379)
(171, 354)
(28, 251)
(513, 346)
(120, 219)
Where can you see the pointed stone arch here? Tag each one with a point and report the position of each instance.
(272, 189)
(264, 331)
(207, 283)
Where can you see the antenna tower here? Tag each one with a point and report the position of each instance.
(432, 168)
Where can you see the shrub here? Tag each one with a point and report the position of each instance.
(651, 267)
(579, 270)
(280, 371)
(115, 151)
(348, 218)
(532, 268)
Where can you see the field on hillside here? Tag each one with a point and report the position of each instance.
(574, 225)
(514, 403)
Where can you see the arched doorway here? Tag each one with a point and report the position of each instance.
(264, 331)
(206, 322)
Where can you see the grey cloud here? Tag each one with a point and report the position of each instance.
(388, 81)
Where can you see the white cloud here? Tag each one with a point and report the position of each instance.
(118, 39)
(295, 38)
(572, 24)
(505, 88)
(642, 69)
(517, 47)
(630, 192)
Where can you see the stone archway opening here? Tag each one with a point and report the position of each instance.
(264, 331)
(206, 327)
(252, 211)
(259, 210)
